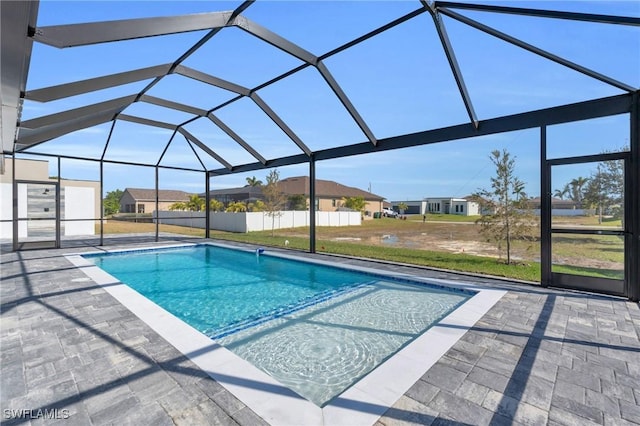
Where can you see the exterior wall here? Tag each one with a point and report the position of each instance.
(328, 205)
(26, 170)
(257, 221)
(125, 200)
(79, 203)
(458, 206)
(148, 206)
(79, 200)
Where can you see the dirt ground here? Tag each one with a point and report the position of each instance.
(452, 237)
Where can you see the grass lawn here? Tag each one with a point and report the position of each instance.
(364, 241)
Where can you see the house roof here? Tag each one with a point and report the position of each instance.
(141, 194)
(248, 191)
(324, 188)
(300, 185)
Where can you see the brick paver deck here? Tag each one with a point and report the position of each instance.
(539, 356)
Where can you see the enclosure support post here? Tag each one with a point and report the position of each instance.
(14, 191)
(312, 204)
(101, 202)
(633, 215)
(157, 205)
(207, 211)
(545, 212)
(58, 195)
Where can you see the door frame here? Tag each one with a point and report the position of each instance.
(17, 245)
(579, 282)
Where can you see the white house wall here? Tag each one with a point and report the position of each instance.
(79, 204)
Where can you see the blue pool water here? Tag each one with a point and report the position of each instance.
(315, 328)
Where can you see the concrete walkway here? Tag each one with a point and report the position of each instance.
(71, 351)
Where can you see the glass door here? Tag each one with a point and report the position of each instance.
(588, 238)
(37, 224)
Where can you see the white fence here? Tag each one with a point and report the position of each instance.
(256, 221)
(568, 212)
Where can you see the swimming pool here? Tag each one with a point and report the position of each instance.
(323, 315)
(316, 329)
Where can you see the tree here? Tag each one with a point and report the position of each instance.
(274, 199)
(561, 193)
(111, 202)
(577, 190)
(298, 202)
(178, 206)
(256, 206)
(195, 204)
(354, 203)
(253, 181)
(236, 207)
(215, 205)
(403, 207)
(506, 214)
(605, 189)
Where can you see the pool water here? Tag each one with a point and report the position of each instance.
(314, 328)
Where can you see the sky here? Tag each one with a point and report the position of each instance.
(399, 81)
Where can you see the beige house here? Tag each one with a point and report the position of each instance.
(329, 194)
(137, 200)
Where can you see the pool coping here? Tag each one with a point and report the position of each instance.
(361, 404)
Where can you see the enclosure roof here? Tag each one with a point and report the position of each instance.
(225, 93)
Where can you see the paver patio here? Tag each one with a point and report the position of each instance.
(539, 356)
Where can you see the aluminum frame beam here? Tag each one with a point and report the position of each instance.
(309, 58)
(172, 105)
(453, 64)
(233, 135)
(73, 35)
(563, 114)
(205, 148)
(30, 138)
(279, 122)
(573, 16)
(66, 90)
(147, 122)
(211, 80)
(72, 114)
(533, 49)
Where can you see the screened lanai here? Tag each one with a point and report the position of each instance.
(191, 96)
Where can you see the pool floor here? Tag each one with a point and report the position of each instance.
(277, 403)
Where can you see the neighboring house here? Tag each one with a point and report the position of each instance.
(447, 205)
(329, 194)
(414, 207)
(556, 203)
(79, 200)
(137, 200)
(560, 207)
(245, 194)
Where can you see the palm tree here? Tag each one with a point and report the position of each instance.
(561, 193)
(402, 206)
(577, 189)
(253, 181)
(195, 203)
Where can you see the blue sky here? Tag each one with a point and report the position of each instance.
(399, 81)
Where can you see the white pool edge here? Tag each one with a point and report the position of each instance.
(361, 404)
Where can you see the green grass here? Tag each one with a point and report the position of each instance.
(446, 218)
(589, 272)
(451, 261)
(528, 270)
